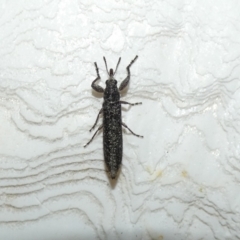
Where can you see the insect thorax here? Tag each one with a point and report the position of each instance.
(111, 92)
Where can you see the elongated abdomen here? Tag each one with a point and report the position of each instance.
(112, 136)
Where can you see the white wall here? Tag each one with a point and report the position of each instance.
(181, 181)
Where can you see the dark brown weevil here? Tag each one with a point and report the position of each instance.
(112, 118)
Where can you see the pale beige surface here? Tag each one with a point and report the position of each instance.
(181, 181)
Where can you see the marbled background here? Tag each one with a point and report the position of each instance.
(181, 181)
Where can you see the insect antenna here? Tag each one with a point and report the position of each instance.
(119, 60)
(106, 64)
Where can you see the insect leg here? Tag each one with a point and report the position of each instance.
(94, 125)
(94, 85)
(93, 135)
(132, 104)
(127, 79)
(131, 130)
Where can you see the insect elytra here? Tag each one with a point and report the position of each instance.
(112, 117)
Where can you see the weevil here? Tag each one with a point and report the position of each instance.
(112, 117)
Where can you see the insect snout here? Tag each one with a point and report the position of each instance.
(111, 72)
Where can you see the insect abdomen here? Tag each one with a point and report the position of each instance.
(112, 136)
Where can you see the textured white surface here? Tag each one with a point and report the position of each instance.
(181, 181)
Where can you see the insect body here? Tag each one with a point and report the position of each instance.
(112, 118)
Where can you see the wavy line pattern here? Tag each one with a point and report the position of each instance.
(181, 181)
